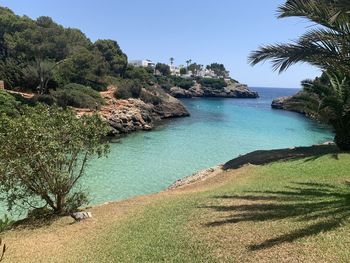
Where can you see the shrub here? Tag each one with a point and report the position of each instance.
(127, 88)
(78, 96)
(45, 98)
(8, 104)
(213, 83)
(183, 83)
(165, 83)
(164, 69)
(141, 74)
(45, 151)
(5, 223)
(147, 97)
(183, 71)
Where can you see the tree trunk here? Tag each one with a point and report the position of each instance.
(60, 204)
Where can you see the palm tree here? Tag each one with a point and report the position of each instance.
(328, 98)
(327, 47)
(188, 62)
(171, 60)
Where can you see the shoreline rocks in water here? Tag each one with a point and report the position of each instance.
(292, 103)
(233, 90)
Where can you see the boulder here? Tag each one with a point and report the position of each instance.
(178, 92)
(78, 216)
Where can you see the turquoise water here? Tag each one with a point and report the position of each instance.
(217, 131)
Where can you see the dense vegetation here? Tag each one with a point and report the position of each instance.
(41, 55)
(214, 83)
(8, 104)
(75, 95)
(328, 47)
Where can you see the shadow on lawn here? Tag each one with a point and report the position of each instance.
(322, 207)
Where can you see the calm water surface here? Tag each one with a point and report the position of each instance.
(217, 131)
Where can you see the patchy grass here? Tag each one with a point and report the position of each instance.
(295, 211)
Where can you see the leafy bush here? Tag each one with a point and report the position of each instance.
(8, 104)
(46, 99)
(45, 151)
(143, 75)
(165, 83)
(183, 83)
(127, 88)
(148, 97)
(213, 83)
(5, 223)
(78, 96)
(164, 69)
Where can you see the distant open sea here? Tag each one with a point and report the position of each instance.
(217, 131)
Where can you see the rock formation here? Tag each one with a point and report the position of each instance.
(233, 90)
(125, 116)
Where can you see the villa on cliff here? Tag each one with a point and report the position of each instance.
(175, 70)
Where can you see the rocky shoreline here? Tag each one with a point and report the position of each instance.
(130, 115)
(292, 103)
(126, 116)
(233, 90)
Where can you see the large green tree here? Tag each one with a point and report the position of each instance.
(44, 153)
(326, 46)
(113, 55)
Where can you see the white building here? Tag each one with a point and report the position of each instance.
(174, 70)
(142, 63)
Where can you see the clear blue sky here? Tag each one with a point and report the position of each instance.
(205, 31)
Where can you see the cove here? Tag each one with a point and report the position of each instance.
(217, 131)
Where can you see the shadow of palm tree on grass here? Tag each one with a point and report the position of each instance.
(321, 208)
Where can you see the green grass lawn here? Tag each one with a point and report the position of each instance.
(294, 211)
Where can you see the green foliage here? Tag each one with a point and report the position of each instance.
(24, 41)
(5, 223)
(165, 83)
(141, 74)
(44, 154)
(45, 98)
(75, 95)
(326, 46)
(127, 88)
(148, 96)
(37, 75)
(83, 67)
(8, 104)
(117, 61)
(10, 72)
(163, 69)
(213, 83)
(194, 67)
(328, 98)
(183, 71)
(183, 83)
(219, 69)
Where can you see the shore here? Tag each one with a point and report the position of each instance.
(259, 157)
(63, 239)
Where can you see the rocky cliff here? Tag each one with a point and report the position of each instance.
(125, 116)
(233, 90)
